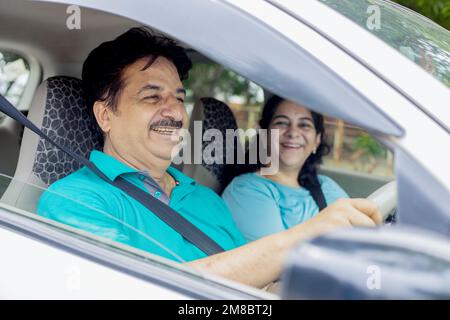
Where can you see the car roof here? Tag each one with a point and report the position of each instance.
(52, 42)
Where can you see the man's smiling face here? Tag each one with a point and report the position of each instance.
(150, 112)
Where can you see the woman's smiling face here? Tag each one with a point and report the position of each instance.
(298, 137)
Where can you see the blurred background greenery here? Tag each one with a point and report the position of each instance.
(436, 10)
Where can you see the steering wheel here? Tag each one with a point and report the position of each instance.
(386, 199)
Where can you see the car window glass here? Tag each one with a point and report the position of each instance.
(244, 97)
(354, 149)
(416, 37)
(357, 161)
(14, 74)
(29, 199)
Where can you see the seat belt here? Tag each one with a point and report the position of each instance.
(315, 189)
(318, 196)
(176, 221)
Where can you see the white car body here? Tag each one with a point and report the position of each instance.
(42, 261)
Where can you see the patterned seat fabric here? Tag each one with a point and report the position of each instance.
(217, 115)
(69, 122)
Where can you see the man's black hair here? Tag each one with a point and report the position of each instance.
(103, 68)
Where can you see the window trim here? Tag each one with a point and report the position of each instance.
(267, 41)
(429, 101)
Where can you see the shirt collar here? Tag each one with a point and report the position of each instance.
(180, 177)
(186, 186)
(113, 168)
(109, 165)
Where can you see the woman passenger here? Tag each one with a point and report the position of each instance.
(262, 205)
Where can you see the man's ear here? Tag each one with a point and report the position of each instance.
(103, 115)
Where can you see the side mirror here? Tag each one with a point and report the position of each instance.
(383, 263)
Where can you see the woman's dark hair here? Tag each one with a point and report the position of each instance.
(103, 68)
(308, 175)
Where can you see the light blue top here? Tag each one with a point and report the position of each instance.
(261, 206)
(83, 200)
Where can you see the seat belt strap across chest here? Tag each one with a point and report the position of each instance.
(172, 218)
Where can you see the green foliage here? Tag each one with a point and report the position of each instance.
(420, 40)
(213, 80)
(436, 10)
(369, 145)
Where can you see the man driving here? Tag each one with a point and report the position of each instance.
(133, 86)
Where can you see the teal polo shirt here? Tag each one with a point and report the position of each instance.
(83, 200)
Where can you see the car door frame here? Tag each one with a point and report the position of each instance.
(325, 77)
(330, 62)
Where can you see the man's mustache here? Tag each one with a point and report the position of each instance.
(166, 123)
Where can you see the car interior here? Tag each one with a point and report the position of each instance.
(52, 99)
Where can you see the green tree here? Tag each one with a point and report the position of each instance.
(365, 146)
(419, 40)
(213, 80)
(436, 10)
